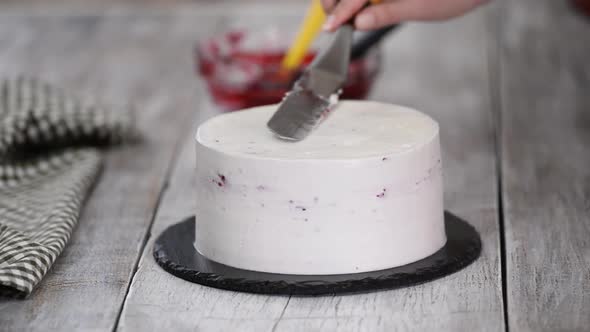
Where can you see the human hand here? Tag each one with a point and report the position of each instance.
(389, 12)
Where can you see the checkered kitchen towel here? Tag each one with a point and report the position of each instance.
(48, 163)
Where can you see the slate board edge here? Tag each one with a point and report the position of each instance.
(312, 288)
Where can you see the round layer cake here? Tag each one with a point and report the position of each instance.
(363, 192)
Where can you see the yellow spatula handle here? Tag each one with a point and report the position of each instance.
(307, 32)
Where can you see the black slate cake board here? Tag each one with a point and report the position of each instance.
(174, 251)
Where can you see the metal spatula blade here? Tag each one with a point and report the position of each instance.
(314, 93)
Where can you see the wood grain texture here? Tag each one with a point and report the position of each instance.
(142, 60)
(450, 83)
(545, 140)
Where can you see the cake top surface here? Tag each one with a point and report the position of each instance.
(354, 129)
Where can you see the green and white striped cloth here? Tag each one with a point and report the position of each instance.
(49, 159)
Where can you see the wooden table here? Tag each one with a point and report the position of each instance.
(509, 84)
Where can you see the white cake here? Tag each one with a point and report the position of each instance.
(363, 192)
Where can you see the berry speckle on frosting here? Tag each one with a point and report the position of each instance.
(220, 180)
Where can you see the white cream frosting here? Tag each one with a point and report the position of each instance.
(363, 192)
(353, 130)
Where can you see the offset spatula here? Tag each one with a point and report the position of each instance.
(318, 88)
(316, 91)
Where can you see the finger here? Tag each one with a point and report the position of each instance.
(328, 5)
(389, 13)
(378, 16)
(344, 10)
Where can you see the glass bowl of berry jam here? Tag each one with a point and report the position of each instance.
(582, 5)
(241, 68)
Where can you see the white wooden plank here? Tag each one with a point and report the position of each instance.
(147, 62)
(228, 8)
(545, 85)
(440, 69)
(179, 304)
(159, 301)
